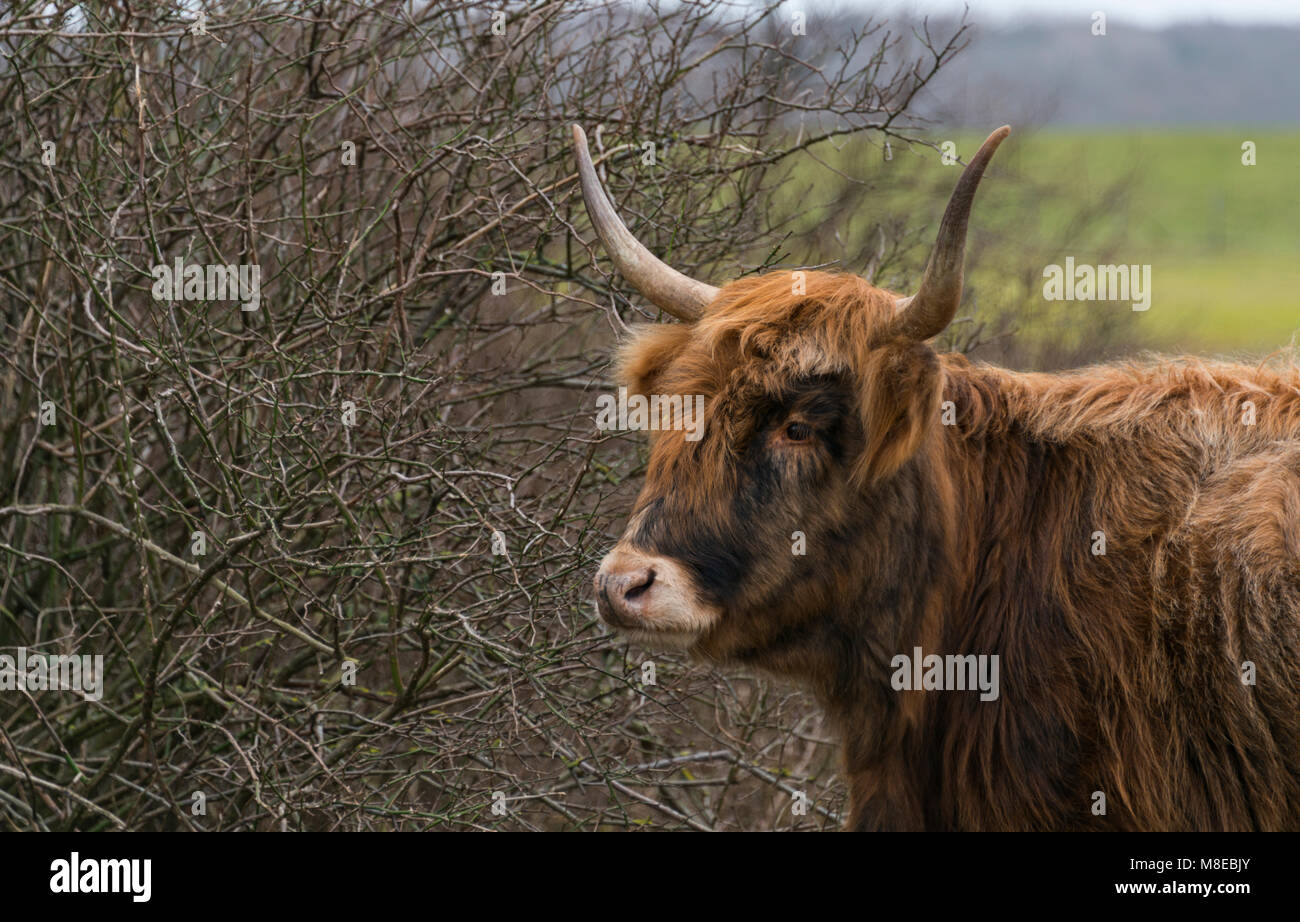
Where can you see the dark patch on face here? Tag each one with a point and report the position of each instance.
(719, 548)
(718, 562)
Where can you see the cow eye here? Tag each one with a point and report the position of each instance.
(798, 432)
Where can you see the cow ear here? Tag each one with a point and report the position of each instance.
(644, 357)
(900, 390)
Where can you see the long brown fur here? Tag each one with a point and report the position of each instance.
(1121, 672)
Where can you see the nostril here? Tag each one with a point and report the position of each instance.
(640, 584)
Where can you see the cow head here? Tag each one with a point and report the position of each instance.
(821, 405)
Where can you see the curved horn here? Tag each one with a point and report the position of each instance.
(926, 313)
(664, 286)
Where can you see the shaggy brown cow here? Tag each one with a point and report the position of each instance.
(1163, 673)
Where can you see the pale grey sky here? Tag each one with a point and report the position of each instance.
(1153, 13)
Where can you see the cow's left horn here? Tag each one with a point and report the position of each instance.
(926, 313)
(677, 294)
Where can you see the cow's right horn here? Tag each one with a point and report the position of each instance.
(677, 294)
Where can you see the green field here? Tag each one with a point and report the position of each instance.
(1222, 238)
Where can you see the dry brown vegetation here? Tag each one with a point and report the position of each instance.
(392, 462)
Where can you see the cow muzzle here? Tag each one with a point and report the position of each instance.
(650, 597)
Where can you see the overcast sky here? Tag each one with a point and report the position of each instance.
(1153, 13)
